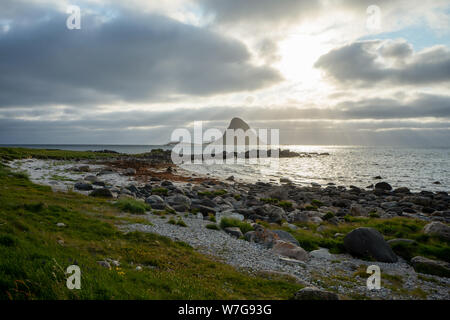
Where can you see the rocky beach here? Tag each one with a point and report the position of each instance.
(322, 236)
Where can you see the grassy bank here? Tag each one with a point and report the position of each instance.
(13, 153)
(35, 252)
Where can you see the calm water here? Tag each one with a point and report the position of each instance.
(416, 168)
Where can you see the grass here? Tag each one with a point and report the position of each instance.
(10, 153)
(212, 194)
(212, 226)
(280, 203)
(132, 206)
(231, 222)
(33, 258)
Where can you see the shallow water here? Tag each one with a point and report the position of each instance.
(416, 168)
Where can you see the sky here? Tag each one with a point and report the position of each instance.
(327, 72)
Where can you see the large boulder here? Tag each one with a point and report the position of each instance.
(428, 266)
(179, 199)
(310, 293)
(274, 213)
(290, 250)
(156, 202)
(437, 229)
(369, 243)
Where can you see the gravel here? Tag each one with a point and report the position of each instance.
(336, 273)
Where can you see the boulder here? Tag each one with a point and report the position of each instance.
(383, 186)
(437, 229)
(356, 210)
(234, 231)
(156, 202)
(322, 253)
(286, 236)
(102, 192)
(290, 250)
(428, 266)
(263, 236)
(369, 243)
(310, 293)
(83, 186)
(179, 199)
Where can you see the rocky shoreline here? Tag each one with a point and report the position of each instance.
(276, 215)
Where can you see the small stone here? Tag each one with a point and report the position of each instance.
(60, 224)
(138, 268)
(234, 231)
(115, 263)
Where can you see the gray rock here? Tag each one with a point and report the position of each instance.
(83, 186)
(383, 186)
(290, 250)
(437, 229)
(286, 236)
(156, 202)
(262, 236)
(311, 293)
(234, 231)
(322, 253)
(101, 192)
(428, 266)
(179, 199)
(369, 243)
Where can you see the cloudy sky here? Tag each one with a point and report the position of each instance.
(323, 72)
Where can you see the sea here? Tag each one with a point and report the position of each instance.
(415, 168)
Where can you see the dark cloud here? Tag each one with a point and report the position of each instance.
(349, 119)
(130, 57)
(368, 63)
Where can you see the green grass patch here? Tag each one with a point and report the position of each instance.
(231, 222)
(33, 258)
(212, 226)
(132, 206)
